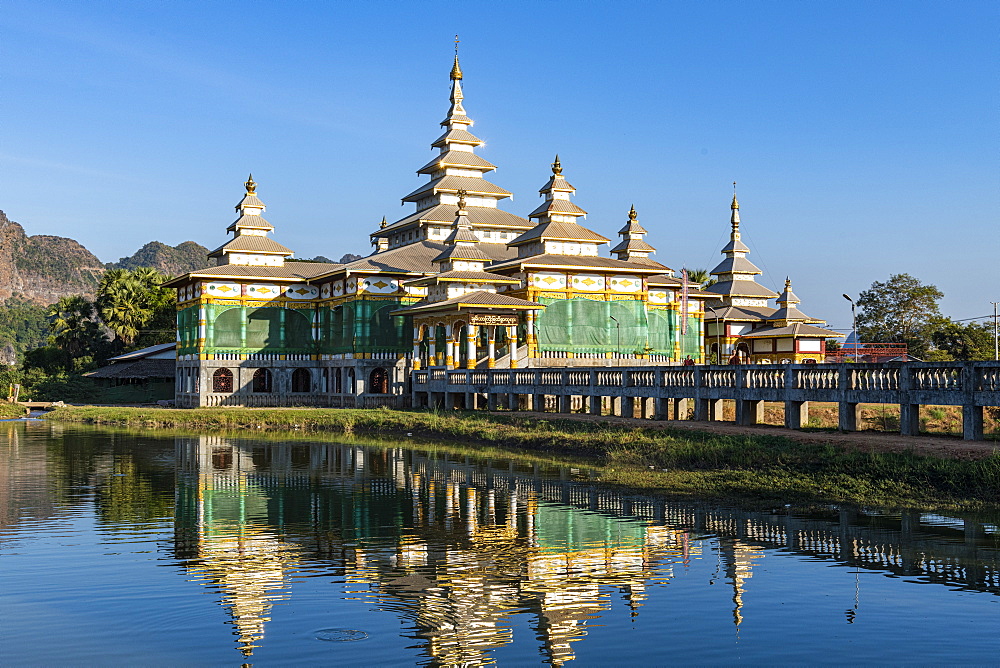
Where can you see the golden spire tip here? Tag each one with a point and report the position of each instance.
(250, 185)
(557, 166)
(632, 214)
(461, 199)
(383, 224)
(456, 71)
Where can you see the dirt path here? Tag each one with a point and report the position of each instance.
(935, 446)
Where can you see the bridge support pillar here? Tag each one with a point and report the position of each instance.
(663, 408)
(796, 414)
(972, 423)
(565, 403)
(628, 407)
(595, 404)
(647, 407)
(749, 411)
(847, 416)
(512, 401)
(909, 419)
(708, 410)
(491, 401)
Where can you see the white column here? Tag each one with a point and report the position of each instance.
(470, 341)
(431, 346)
(491, 346)
(512, 346)
(416, 347)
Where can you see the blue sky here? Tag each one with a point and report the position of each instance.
(864, 137)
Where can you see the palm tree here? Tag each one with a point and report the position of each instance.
(128, 301)
(702, 277)
(71, 321)
(122, 304)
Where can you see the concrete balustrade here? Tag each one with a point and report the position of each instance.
(666, 392)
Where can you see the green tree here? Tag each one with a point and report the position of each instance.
(702, 277)
(962, 341)
(73, 327)
(130, 301)
(900, 310)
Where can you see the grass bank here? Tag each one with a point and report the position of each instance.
(10, 411)
(681, 463)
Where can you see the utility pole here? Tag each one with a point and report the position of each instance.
(996, 333)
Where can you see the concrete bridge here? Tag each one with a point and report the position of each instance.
(665, 392)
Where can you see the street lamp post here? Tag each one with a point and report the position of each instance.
(618, 329)
(854, 317)
(996, 333)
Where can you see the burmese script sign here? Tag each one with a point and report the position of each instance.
(493, 319)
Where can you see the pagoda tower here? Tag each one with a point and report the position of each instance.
(556, 231)
(455, 167)
(788, 311)
(632, 247)
(250, 245)
(737, 285)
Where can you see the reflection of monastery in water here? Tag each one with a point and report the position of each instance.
(456, 548)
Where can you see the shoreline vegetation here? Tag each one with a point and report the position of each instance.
(763, 468)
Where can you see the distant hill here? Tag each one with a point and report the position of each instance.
(43, 268)
(170, 260)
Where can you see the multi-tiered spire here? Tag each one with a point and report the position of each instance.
(250, 244)
(788, 310)
(461, 251)
(556, 230)
(455, 167)
(737, 285)
(632, 246)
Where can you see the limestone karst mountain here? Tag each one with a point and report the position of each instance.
(171, 260)
(43, 268)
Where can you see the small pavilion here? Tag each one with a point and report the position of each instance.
(463, 305)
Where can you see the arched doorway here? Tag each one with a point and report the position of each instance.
(301, 380)
(378, 381)
(741, 354)
(222, 381)
(262, 381)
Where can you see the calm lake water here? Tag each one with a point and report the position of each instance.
(143, 549)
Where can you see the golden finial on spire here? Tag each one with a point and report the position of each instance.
(735, 205)
(788, 284)
(383, 224)
(632, 215)
(456, 71)
(557, 166)
(251, 186)
(461, 199)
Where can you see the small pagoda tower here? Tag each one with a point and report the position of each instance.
(556, 231)
(788, 334)
(250, 245)
(632, 247)
(737, 285)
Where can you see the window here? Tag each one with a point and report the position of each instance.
(301, 380)
(261, 380)
(222, 381)
(378, 382)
